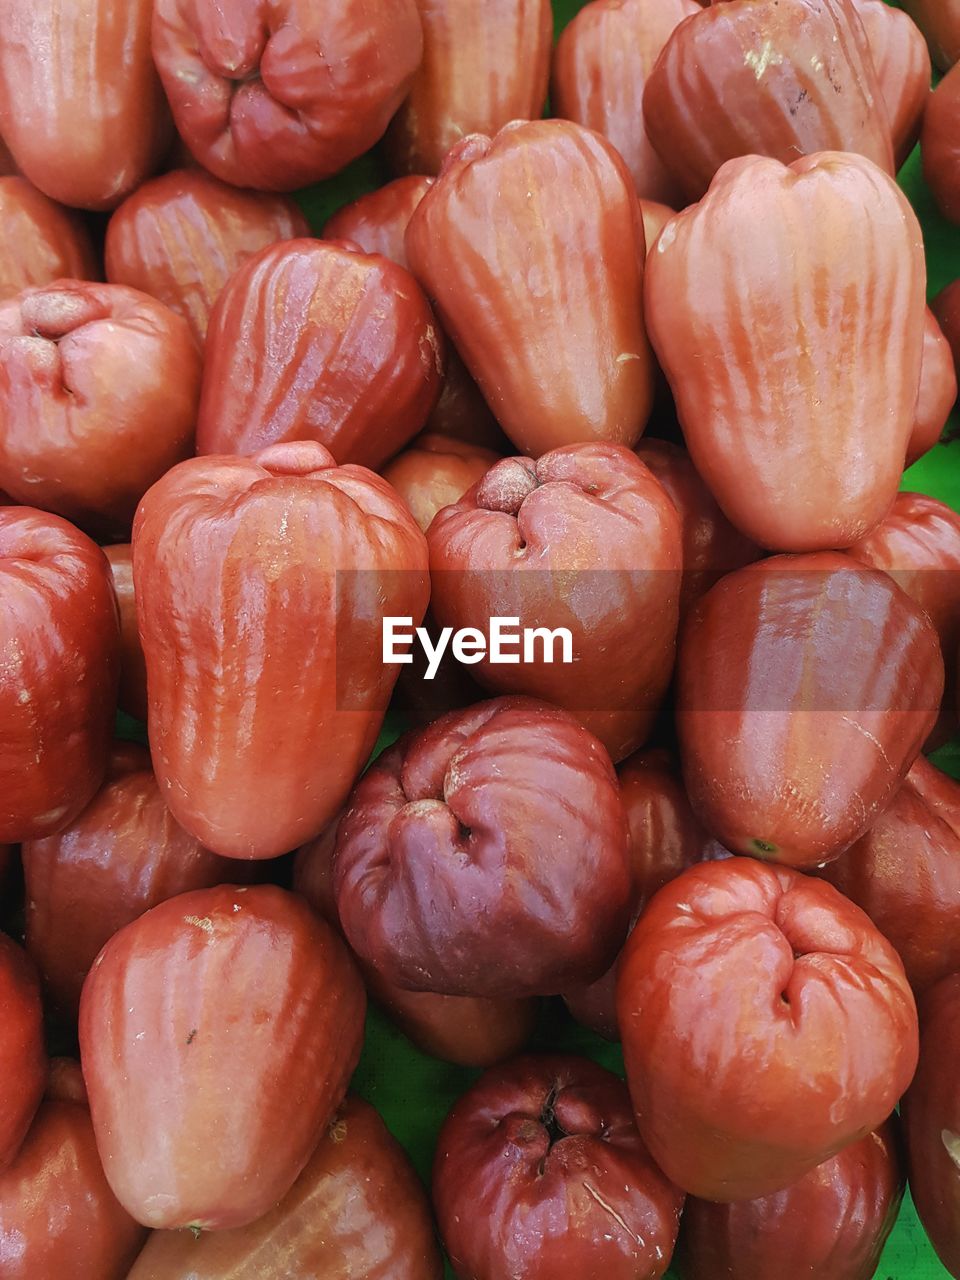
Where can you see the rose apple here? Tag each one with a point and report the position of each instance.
(7, 163)
(98, 398)
(133, 670)
(940, 145)
(939, 20)
(23, 1060)
(81, 107)
(832, 1224)
(600, 69)
(938, 390)
(180, 237)
(655, 217)
(806, 688)
(39, 241)
(766, 1025)
(377, 221)
(277, 96)
(434, 472)
(946, 308)
(540, 1173)
(487, 856)
(317, 341)
(902, 63)
(266, 697)
(483, 66)
(802, 439)
(217, 1036)
(59, 641)
(531, 243)
(65, 1082)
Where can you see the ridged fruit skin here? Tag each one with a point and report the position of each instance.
(752, 77)
(938, 390)
(540, 1173)
(600, 69)
(766, 1025)
(60, 640)
(483, 66)
(180, 238)
(832, 1224)
(133, 670)
(377, 221)
(531, 244)
(930, 1112)
(586, 539)
(806, 686)
(23, 1059)
(434, 472)
(39, 240)
(940, 145)
(58, 1216)
(357, 1210)
(509, 807)
(800, 431)
(466, 1030)
(312, 340)
(902, 63)
(98, 399)
(81, 107)
(261, 586)
(278, 96)
(939, 20)
(905, 874)
(217, 1036)
(946, 307)
(123, 855)
(665, 837)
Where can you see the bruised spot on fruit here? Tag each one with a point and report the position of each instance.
(192, 1036)
(762, 848)
(951, 1143)
(338, 1130)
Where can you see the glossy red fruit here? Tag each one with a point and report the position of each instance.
(511, 808)
(531, 243)
(39, 241)
(584, 539)
(540, 1173)
(806, 686)
(940, 145)
(60, 639)
(7, 163)
(946, 307)
(484, 65)
(655, 217)
(81, 107)
(938, 390)
(279, 97)
(23, 1060)
(218, 1004)
(600, 69)
(65, 1081)
(377, 221)
(182, 236)
(98, 399)
(766, 1025)
(832, 1224)
(348, 354)
(939, 20)
(133, 669)
(902, 64)
(434, 472)
(802, 440)
(267, 697)
(357, 1210)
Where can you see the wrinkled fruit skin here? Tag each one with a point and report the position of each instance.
(738, 971)
(435, 472)
(257, 745)
(182, 236)
(905, 874)
(357, 1210)
(755, 78)
(800, 431)
(938, 389)
(39, 241)
(946, 308)
(509, 805)
(377, 221)
(98, 399)
(318, 341)
(168, 1006)
(540, 1173)
(939, 20)
(540, 292)
(81, 107)
(279, 96)
(483, 66)
(600, 69)
(832, 1224)
(60, 640)
(133, 669)
(806, 686)
(585, 539)
(902, 63)
(940, 145)
(23, 1060)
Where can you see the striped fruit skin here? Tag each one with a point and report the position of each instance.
(777, 345)
(483, 66)
(902, 63)
(39, 241)
(532, 246)
(181, 237)
(939, 20)
(313, 340)
(940, 145)
(600, 69)
(377, 222)
(751, 77)
(217, 1036)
